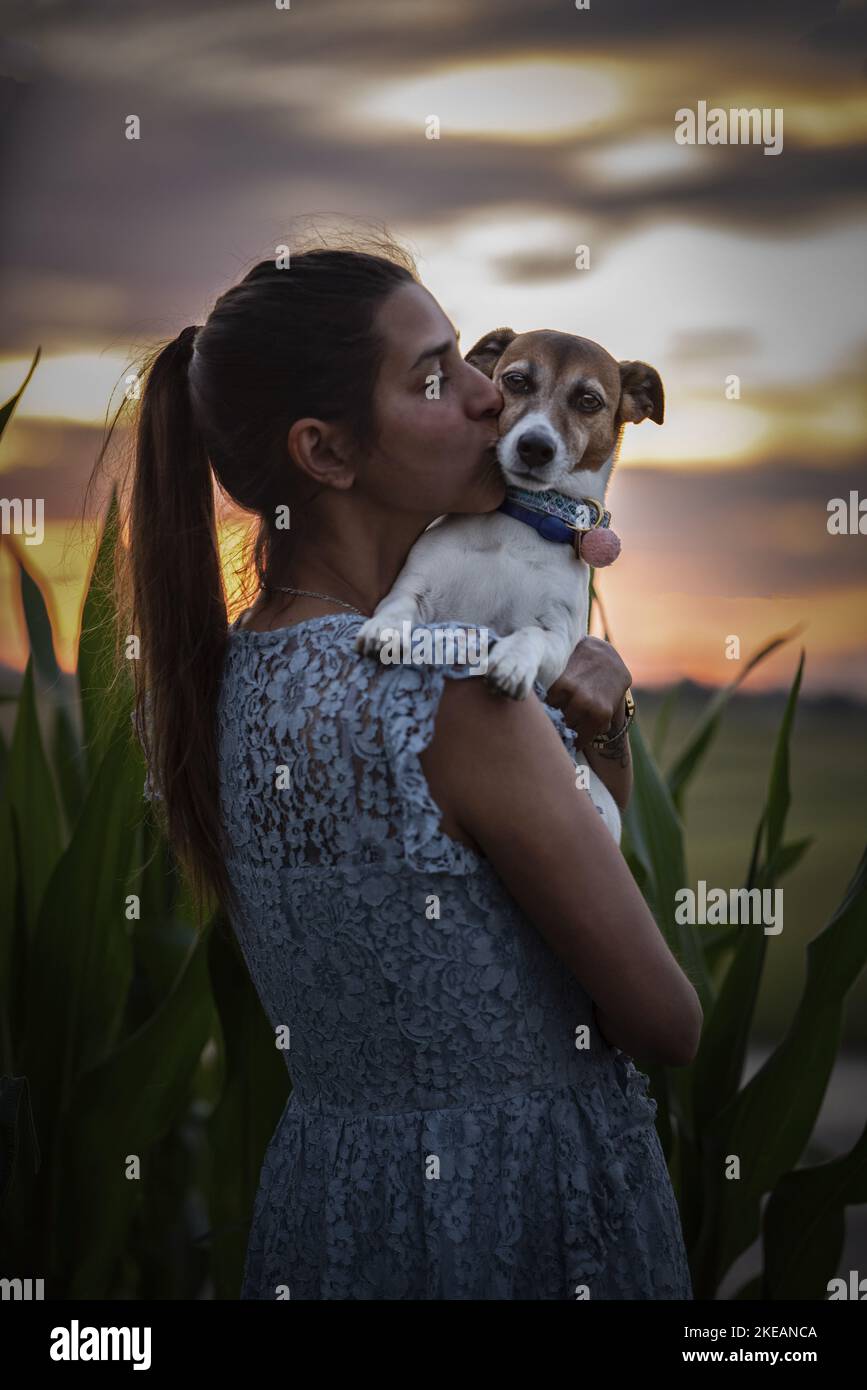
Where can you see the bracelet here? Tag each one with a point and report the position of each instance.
(603, 740)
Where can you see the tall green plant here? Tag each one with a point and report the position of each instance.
(112, 1056)
(730, 1146)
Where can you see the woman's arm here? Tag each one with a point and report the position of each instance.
(499, 769)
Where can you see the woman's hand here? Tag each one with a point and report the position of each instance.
(591, 689)
(590, 695)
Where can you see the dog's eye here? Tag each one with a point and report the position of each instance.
(589, 402)
(516, 381)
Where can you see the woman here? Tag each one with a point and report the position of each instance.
(424, 897)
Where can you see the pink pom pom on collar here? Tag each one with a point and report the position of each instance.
(599, 547)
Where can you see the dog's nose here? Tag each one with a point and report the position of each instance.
(535, 449)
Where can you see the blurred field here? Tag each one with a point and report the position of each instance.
(829, 802)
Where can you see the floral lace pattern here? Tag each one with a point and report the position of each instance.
(458, 1127)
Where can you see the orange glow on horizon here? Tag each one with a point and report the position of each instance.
(674, 635)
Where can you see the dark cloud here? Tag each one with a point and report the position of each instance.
(157, 216)
(759, 531)
(812, 22)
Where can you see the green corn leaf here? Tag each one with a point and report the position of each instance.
(718, 1068)
(779, 793)
(120, 1108)
(165, 1255)
(33, 799)
(769, 1122)
(715, 947)
(756, 855)
(804, 1224)
(8, 410)
(655, 830)
(637, 867)
(66, 750)
(9, 885)
(637, 856)
(82, 940)
(163, 936)
(664, 717)
(660, 1088)
(634, 847)
(67, 755)
(19, 1143)
(689, 1192)
(255, 1090)
(38, 624)
(689, 760)
(104, 689)
(788, 857)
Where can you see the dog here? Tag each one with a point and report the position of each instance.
(523, 570)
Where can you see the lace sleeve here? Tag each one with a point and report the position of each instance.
(410, 702)
(409, 711)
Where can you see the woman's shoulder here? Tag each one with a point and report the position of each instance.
(358, 721)
(404, 683)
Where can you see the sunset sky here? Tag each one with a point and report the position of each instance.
(556, 131)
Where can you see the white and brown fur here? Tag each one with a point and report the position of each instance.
(566, 402)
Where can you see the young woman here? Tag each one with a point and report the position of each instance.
(422, 893)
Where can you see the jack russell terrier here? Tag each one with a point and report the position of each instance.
(522, 570)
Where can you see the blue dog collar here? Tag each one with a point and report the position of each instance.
(555, 516)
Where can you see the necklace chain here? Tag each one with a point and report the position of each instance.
(314, 593)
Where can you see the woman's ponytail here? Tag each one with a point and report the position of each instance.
(215, 411)
(179, 614)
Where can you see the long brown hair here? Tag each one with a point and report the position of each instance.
(218, 402)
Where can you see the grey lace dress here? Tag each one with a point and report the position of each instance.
(446, 1136)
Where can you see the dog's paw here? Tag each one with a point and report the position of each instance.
(372, 635)
(510, 670)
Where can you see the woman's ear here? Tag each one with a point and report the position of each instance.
(320, 448)
(641, 394)
(489, 349)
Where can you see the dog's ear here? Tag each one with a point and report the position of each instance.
(489, 349)
(641, 394)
